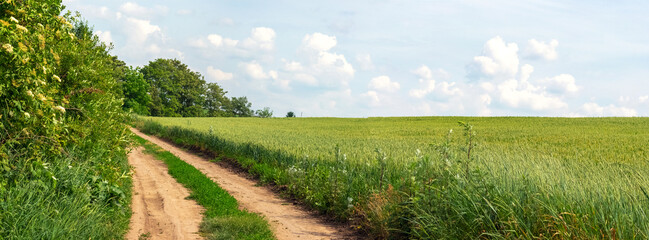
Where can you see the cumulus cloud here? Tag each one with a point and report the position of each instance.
(136, 10)
(219, 41)
(499, 59)
(643, 99)
(318, 42)
(427, 86)
(139, 30)
(104, 36)
(595, 110)
(383, 83)
(561, 84)
(424, 72)
(542, 50)
(517, 94)
(262, 38)
(218, 75)
(292, 66)
(372, 97)
(365, 61)
(328, 68)
(254, 70)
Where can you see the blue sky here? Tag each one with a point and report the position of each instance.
(398, 58)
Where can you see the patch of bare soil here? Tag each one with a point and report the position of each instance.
(287, 221)
(160, 208)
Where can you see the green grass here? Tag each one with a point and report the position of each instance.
(526, 178)
(75, 202)
(223, 219)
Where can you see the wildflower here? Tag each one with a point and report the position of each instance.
(41, 97)
(27, 115)
(13, 19)
(21, 28)
(8, 47)
(54, 178)
(56, 78)
(59, 108)
(29, 93)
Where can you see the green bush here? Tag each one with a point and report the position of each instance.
(63, 168)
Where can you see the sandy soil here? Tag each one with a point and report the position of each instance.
(287, 221)
(160, 209)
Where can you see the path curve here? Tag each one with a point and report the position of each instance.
(160, 208)
(287, 221)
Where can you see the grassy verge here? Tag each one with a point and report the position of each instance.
(223, 219)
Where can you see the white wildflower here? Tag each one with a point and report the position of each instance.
(41, 97)
(27, 115)
(8, 47)
(21, 28)
(29, 93)
(13, 19)
(54, 178)
(59, 108)
(56, 78)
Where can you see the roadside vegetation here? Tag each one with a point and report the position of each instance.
(415, 178)
(222, 219)
(63, 145)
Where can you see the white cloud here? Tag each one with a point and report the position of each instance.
(135, 10)
(448, 89)
(515, 94)
(254, 70)
(262, 38)
(427, 86)
(372, 97)
(292, 66)
(595, 110)
(643, 99)
(365, 61)
(424, 72)
(218, 75)
(564, 83)
(219, 41)
(104, 36)
(318, 42)
(499, 59)
(383, 83)
(139, 30)
(330, 69)
(539, 49)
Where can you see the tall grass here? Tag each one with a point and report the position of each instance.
(412, 177)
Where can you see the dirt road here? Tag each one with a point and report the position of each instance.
(160, 210)
(287, 221)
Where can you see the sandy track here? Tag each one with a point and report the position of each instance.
(287, 221)
(160, 209)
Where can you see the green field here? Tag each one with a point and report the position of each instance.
(410, 177)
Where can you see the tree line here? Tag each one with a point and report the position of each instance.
(168, 88)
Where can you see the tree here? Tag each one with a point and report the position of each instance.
(175, 89)
(240, 107)
(290, 114)
(265, 113)
(136, 92)
(216, 103)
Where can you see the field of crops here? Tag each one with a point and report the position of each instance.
(503, 177)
